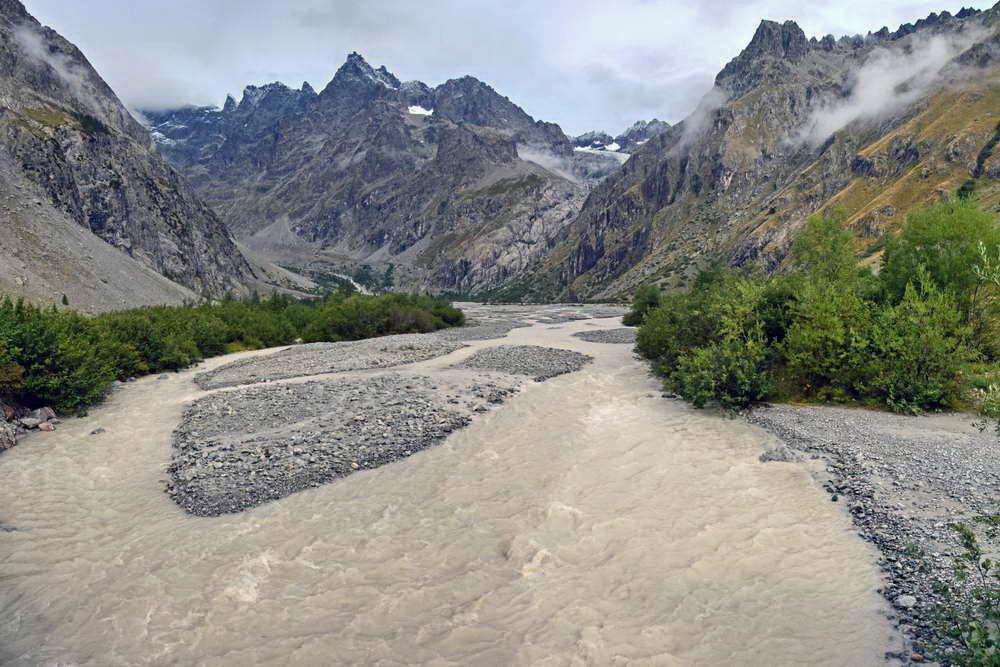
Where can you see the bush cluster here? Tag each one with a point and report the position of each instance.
(67, 360)
(827, 330)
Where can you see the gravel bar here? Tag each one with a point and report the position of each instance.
(319, 358)
(237, 449)
(623, 336)
(539, 362)
(903, 479)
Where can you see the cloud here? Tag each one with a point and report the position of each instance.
(557, 165)
(889, 81)
(34, 44)
(694, 126)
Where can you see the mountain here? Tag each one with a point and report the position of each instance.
(89, 207)
(456, 186)
(640, 132)
(874, 124)
(626, 142)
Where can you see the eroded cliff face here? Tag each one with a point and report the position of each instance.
(456, 185)
(73, 156)
(876, 124)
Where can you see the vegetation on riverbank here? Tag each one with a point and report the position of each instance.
(968, 621)
(915, 336)
(68, 361)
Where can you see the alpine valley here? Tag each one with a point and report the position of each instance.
(454, 188)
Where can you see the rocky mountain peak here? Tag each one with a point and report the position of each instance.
(418, 93)
(640, 132)
(356, 76)
(785, 40)
(307, 89)
(592, 138)
(467, 99)
(230, 105)
(774, 42)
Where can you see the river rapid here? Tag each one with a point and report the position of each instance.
(587, 521)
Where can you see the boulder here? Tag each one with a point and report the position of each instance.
(30, 422)
(8, 436)
(780, 453)
(46, 426)
(44, 414)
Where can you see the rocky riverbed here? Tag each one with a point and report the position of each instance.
(238, 449)
(321, 411)
(541, 363)
(319, 358)
(904, 480)
(622, 336)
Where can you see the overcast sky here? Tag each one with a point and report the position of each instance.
(585, 64)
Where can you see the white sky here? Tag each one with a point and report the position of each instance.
(585, 64)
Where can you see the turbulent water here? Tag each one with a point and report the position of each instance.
(587, 521)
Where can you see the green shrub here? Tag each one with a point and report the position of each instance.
(710, 344)
(11, 374)
(831, 332)
(646, 299)
(823, 248)
(679, 324)
(68, 361)
(918, 349)
(735, 372)
(944, 239)
(826, 346)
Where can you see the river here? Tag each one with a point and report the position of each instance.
(588, 521)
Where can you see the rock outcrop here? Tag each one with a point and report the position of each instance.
(79, 178)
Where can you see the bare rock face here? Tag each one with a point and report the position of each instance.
(72, 156)
(457, 184)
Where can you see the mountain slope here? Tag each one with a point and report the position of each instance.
(456, 185)
(74, 159)
(876, 124)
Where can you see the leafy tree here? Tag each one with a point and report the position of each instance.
(389, 277)
(945, 239)
(823, 247)
(646, 299)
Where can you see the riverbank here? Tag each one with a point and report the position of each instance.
(903, 480)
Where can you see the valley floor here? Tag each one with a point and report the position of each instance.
(552, 509)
